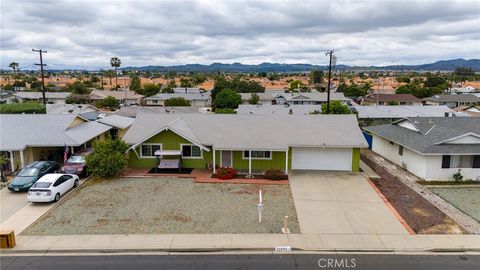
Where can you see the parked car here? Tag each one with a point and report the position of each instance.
(30, 174)
(77, 164)
(51, 187)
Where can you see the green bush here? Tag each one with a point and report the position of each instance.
(227, 98)
(25, 107)
(275, 174)
(225, 111)
(108, 158)
(177, 101)
(108, 102)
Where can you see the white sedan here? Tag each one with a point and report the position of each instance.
(51, 187)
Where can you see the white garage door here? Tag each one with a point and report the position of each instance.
(331, 159)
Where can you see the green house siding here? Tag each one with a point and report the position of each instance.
(170, 141)
(355, 159)
(277, 162)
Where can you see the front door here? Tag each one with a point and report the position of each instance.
(226, 159)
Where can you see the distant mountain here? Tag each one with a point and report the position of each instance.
(444, 65)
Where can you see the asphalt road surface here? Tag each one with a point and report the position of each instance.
(223, 262)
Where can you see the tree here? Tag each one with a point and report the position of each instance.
(254, 99)
(77, 99)
(225, 111)
(108, 102)
(316, 78)
(149, 89)
(185, 83)
(77, 87)
(14, 66)
(115, 62)
(354, 90)
(434, 81)
(177, 101)
(109, 74)
(94, 80)
(392, 103)
(227, 98)
(108, 158)
(237, 84)
(198, 78)
(135, 84)
(298, 85)
(336, 107)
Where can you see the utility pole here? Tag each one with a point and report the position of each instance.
(41, 70)
(330, 53)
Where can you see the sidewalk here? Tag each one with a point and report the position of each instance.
(243, 242)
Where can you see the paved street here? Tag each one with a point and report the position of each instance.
(277, 262)
(340, 203)
(10, 203)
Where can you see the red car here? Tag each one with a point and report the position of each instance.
(77, 164)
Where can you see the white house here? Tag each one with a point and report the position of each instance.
(195, 99)
(51, 97)
(431, 148)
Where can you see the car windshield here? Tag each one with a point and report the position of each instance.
(42, 185)
(76, 159)
(28, 172)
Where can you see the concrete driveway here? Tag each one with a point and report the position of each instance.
(340, 203)
(10, 203)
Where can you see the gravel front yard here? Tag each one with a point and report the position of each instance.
(467, 199)
(165, 206)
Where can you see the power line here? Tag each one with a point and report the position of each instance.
(41, 69)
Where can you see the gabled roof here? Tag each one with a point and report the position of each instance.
(117, 121)
(453, 98)
(430, 135)
(391, 97)
(381, 111)
(18, 131)
(37, 95)
(315, 96)
(278, 109)
(256, 132)
(101, 94)
(70, 108)
(188, 96)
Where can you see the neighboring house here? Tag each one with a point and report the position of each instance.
(6, 97)
(30, 137)
(267, 97)
(310, 98)
(387, 99)
(196, 99)
(431, 148)
(119, 124)
(86, 111)
(52, 97)
(473, 111)
(461, 90)
(132, 111)
(248, 143)
(374, 115)
(453, 101)
(279, 109)
(188, 90)
(131, 96)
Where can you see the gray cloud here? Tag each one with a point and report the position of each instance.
(87, 33)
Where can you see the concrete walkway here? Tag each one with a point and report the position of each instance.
(341, 203)
(243, 242)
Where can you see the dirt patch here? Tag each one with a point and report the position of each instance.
(422, 216)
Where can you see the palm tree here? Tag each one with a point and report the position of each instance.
(115, 62)
(14, 66)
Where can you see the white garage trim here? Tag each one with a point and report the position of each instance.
(317, 158)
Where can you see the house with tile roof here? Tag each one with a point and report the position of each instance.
(432, 148)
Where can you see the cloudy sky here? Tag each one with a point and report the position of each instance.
(87, 33)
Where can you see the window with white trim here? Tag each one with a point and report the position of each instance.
(460, 161)
(258, 154)
(191, 151)
(148, 149)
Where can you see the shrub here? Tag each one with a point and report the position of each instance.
(227, 98)
(108, 102)
(225, 111)
(458, 177)
(108, 158)
(177, 101)
(226, 173)
(275, 174)
(25, 107)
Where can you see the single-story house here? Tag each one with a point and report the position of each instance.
(381, 114)
(188, 90)
(285, 109)
(266, 97)
(461, 90)
(6, 97)
(132, 111)
(131, 96)
(310, 98)
(472, 111)
(196, 99)
(387, 99)
(86, 111)
(431, 148)
(453, 101)
(248, 143)
(52, 97)
(29, 137)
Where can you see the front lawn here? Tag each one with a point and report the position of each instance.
(467, 199)
(25, 107)
(165, 206)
